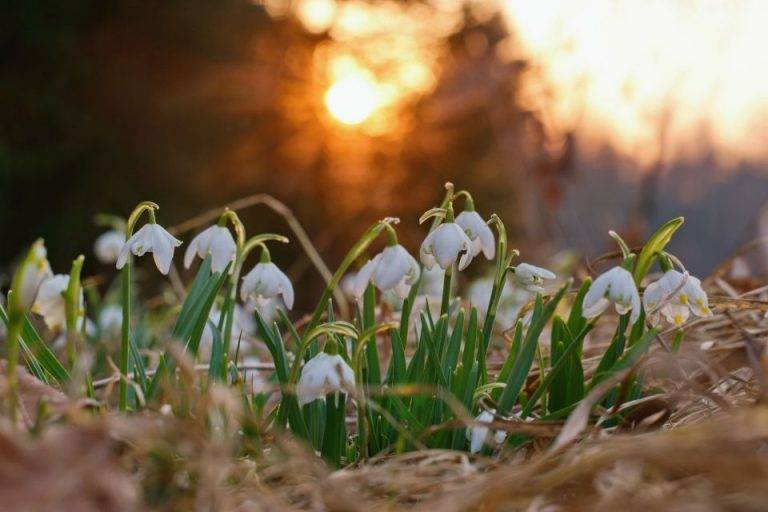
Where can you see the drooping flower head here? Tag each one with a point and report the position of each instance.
(108, 245)
(447, 245)
(266, 281)
(618, 286)
(32, 271)
(478, 436)
(392, 269)
(152, 237)
(476, 229)
(51, 304)
(531, 277)
(215, 240)
(322, 375)
(674, 295)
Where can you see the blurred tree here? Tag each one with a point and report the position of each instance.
(194, 104)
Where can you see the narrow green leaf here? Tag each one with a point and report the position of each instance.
(655, 244)
(519, 373)
(509, 362)
(397, 361)
(37, 352)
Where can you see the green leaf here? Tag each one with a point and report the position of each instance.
(216, 370)
(509, 362)
(655, 244)
(203, 310)
(451, 355)
(39, 356)
(397, 374)
(614, 351)
(183, 322)
(519, 373)
(138, 366)
(562, 362)
(373, 371)
(289, 410)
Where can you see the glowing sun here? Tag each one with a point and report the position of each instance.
(352, 100)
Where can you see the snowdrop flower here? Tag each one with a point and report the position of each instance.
(111, 320)
(322, 375)
(216, 241)
(266, 281)
(347, 284)
(150, 238)
(50, 302)
(677, 294)
(478, 436)
(446, 244)
(392, 269)
(616, 285)
(432, 280)
(108, 245)
(35, 269)
(531, 277)
(479, 232)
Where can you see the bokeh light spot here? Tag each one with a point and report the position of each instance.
(352, 100)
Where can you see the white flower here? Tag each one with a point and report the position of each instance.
(391, 269)
(108, 246)
(347, 284)
(478, 436)
(266, 281)
(446, 244)
(111, 320)
(531, 277)
(617, 286)
(677, 294)
(478, 231)
(216, 241)
(50, 302)
(151, 238)
(432, 281)
(322, 375)
(35, 269)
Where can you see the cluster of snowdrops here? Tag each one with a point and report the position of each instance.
(437, 363)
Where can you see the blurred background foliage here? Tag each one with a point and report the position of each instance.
(347, 111)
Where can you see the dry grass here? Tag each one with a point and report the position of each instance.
(699, 443)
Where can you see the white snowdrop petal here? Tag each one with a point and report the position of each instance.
(191, 252)
(394, 264)
(287, 291)
(162, 251)
(488, 242)
(362, 278)
(222, 249)
(595, 295)
(447, 244)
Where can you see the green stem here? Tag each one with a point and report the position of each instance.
(446, 291)
(125, 338)
(228, 309)
(72, 309)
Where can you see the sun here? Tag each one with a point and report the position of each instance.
(351, 100)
